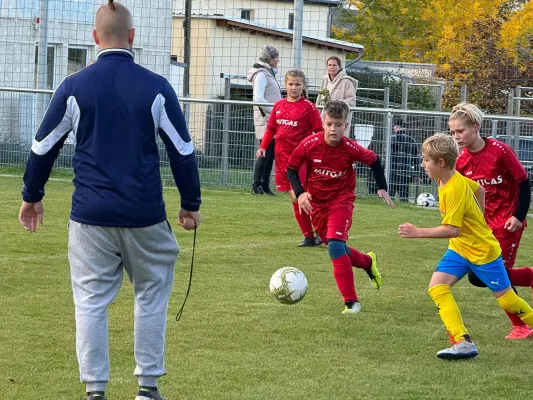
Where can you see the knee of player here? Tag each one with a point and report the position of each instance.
(336, 248)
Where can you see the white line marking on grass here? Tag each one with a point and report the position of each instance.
(286, 241)
(45, 257)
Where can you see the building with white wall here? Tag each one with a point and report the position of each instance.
(66, 28)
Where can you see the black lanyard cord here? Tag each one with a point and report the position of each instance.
(180, 312)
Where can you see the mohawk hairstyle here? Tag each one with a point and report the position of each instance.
(112, 5)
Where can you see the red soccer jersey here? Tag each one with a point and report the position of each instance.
(330, 175)
(497, 169)
(290, 122)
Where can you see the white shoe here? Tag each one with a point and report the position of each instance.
(460, 350)
(354, 309)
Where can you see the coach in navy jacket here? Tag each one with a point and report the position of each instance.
(117, 110)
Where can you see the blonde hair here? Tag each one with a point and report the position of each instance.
(441, 145)
(297, 73)
(468, 113)
(337, 109)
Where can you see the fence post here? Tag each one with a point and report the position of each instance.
(225, 133)
(386, 97)
(438, 120)
(388, 140)
(516, 125)
(517, 105)
(405, 94)
(42, 66)
(463, 93)
(494, 129)
(510, 111)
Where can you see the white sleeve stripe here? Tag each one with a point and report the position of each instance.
(70, 122)
(184, 148)
(156, 111)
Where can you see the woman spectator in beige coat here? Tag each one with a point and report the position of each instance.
(337, 85)
(266, 90)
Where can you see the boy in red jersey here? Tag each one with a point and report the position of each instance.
(292, 120)
(495, 166)
(330, 193)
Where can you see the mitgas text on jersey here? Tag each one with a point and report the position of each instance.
(493, 181)
(286, 122)
(327, 172)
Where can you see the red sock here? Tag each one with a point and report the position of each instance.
(521, 276)
(343, 272)
(304, 221)
(515, 319)
(358, 259)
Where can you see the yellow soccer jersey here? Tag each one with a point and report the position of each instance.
(459, 207)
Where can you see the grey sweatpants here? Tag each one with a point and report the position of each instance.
(98, 256)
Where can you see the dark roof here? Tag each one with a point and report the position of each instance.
(251, 26)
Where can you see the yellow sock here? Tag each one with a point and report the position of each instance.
(448, 310)
(513, 304)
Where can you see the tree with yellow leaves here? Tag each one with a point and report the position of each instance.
(480, 43)
(517, 34)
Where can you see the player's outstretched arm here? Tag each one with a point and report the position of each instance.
(410, 231)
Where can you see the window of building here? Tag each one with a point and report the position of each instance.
(50, 67)
(246, 14)
(291, 21)
(77, 59)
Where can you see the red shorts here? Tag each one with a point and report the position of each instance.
(333, 221)
(282, 180)
(509, 242)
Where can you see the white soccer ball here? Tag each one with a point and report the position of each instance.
(426, 200)
(288, 285)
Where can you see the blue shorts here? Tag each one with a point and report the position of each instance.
(492, 274)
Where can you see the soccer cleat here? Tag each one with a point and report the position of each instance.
(96, 396)
(318, 241)
(308, 242)
(373, 272)
(520, 332)
(459, 351)
(147, 394)
(355, 308)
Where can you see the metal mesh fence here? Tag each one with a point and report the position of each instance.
(410, 60)
(225, 143)
(429, 53)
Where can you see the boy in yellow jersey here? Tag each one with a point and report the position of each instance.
(472, 245)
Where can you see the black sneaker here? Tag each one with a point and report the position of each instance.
(96, 396)
(308, 242)
(318, 241)
(149, 394)
(266, 189)
(257, 190)
(269, 192)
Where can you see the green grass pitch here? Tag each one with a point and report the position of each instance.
(234, 340)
